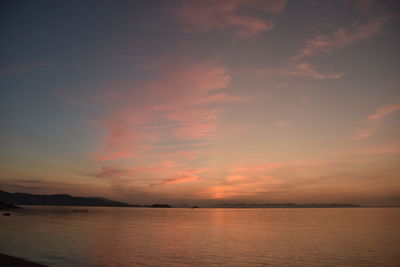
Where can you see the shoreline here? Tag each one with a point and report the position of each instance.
(11, 261)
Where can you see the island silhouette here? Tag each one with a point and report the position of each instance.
(68, 200)
(9, 199)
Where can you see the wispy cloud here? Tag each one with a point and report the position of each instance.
(307, 70)
(302, 70)
(365, 133)
(185, 102)
(202, 16)
(165, 172)
(375, 121)
(326, 43)
(384, 111)
(184, 176)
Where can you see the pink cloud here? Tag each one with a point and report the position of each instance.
(307, 70)
(364, 133)
(304, 69)
(180, 104)
(326, 43)
(384, 111)
(221, 98)
(122, 138)
(195, 123)
(202, 16)
(375, 121)
(158, 128)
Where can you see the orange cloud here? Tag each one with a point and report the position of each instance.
(244, 180)
(203, 15)
(240, 186)
(178, 175)
(184, 176)
(223, 191)
(324, 43)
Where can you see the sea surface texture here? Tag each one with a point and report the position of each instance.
(203, 237)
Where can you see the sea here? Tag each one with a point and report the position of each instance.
(103, 236)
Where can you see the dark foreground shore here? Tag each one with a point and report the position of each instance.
(9, 261)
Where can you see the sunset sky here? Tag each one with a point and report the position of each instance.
(202, 101)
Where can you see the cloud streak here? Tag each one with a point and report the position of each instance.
(383, 112)
(203, 16)
(375, 121)
(306, 70)
(327, 43)
(300, 70)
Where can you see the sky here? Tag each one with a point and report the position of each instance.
(201, 102)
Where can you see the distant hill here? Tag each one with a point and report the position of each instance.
(58, 200)
(4, 206)
(284, 205)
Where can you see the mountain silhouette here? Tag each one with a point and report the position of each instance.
(58, 200)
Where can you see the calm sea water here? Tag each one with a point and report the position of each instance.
(204, 237)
